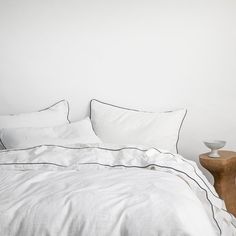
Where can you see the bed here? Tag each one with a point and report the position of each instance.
(89, 187)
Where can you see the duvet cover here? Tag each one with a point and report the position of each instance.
(106, 190)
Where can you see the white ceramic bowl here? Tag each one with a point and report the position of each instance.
(214, 145)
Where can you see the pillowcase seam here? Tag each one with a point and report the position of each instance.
(129, 109)
(63, 100)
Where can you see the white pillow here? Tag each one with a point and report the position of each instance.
(76, 132)
(56, 114)
(118, 125)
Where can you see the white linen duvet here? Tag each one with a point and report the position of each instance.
(106, 190)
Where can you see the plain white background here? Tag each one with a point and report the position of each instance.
(150, 55)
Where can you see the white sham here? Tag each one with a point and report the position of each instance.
(57, 114)
(76, 132)
(119, 125)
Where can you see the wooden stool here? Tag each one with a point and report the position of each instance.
(223, 169)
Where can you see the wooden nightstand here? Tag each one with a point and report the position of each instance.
(224, 171)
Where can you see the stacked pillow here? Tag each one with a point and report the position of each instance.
(57, 114)
(76, 132)
(47, 126)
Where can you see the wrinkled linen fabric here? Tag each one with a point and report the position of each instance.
(106, 190)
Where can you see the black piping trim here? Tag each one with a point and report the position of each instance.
(125, 108)
(68, 112)
(176, 146)
(77, 148)
(90, 114)
(2, 144)
(90, 109)
(54, 104)
(129, 109)
(63, 100)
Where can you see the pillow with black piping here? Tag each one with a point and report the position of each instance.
(56, 114)
(114, 124)
(67, 134)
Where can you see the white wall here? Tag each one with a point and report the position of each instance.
(152, 55)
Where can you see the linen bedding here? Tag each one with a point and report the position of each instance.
(106, 190)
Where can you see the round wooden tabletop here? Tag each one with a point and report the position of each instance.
(224, 155)
(226, 161)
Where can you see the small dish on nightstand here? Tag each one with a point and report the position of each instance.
(214, 145)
